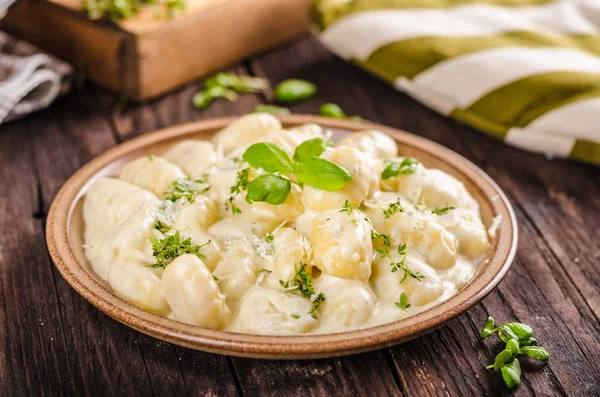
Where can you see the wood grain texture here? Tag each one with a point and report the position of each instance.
(554, 284)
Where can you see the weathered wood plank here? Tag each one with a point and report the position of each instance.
(443, 362)
(33, 356)
(359, 375)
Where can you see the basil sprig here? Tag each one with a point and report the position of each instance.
(308, 169)
(333, 111)
(519, 341)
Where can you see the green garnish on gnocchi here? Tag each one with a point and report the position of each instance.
(272, 230)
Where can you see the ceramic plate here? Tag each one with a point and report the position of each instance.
(65, 239)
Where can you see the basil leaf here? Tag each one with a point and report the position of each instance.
(269, 188)
(528, 342)
(205, 97)
(310, 148)
(488, 328)
(523, 331)
(536, 352)
(506, 334)
(502, 358)
(322, 174)
(511, 374)
(269, 157)
(294, 90)
(332, 110)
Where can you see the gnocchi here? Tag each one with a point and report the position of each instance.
(177, 235)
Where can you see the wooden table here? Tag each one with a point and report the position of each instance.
(53, 342)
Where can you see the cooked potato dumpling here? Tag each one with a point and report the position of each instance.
(342, 245)
(388, 288)
(268, 311)
(364, 181)
(348, 303)
(152, 173)
(373, 143)
(193, 294)
(245, 131)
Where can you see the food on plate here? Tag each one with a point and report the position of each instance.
(270, 230)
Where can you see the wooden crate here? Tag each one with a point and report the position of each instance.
(144, 56)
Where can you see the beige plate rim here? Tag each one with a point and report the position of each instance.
(279, 347)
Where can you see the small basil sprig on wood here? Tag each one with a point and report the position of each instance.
(519, 341)
(237, 83)
(205, 97)
(227, 85)
(308, 169)
(294, 90)
(333, 111)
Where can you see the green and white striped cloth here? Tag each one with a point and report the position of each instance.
(525, 71)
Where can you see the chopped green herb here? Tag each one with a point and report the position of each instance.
(271, 109)
(161, 227)
(392, 208)
(385, 238)
(403, 302)
(218, 281)
(441, 211)
(347, 208)
(263, 270)
(170, 247)
(150, 157)
(186, 188)
(269, 238)
(294, 90)
(241, 184)
(407, 166)
(295, 316)
(399, 263)
(316, 304)
(301, 280)
(125, 9)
